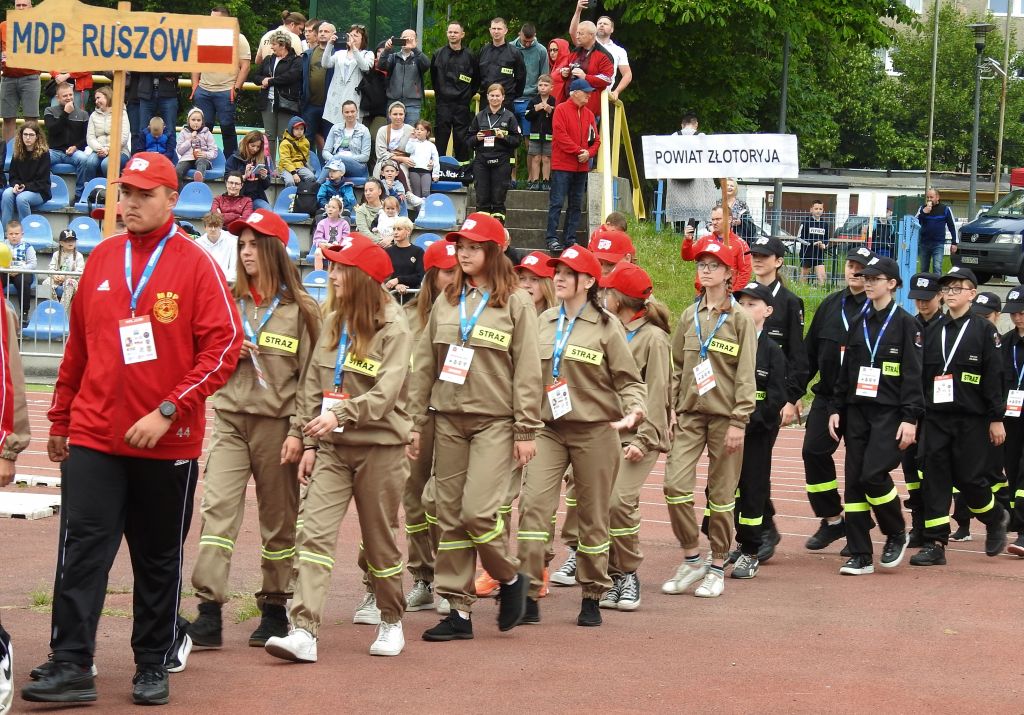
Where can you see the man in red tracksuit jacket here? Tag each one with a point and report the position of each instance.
(154, 332)
(589, 61)
(741, 265)
(574, 145)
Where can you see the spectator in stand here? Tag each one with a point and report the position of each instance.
(195, 148)
(81, 83)
(280, 79)
(384, 229)
(336, 185)
(494, 136)
(590, 61)
(539, 111)
(393, 139)
(501, 63)
(936, 218)
(741, 264)
(295, 153)
(406, 259)
(453, 75)
(348, 142)
(23, 257)
(155, 138)
(231, 205)
(374, 102)
(310, 34)
(367, 211)
(67, 259)
(688, 199)
(574, 145)
(330, 231)
(158, 97)
(28, 179)
(622, 75)
(426, 164)
(883, 238)
(405, 66)
(251, 162)
(66, 126)
(98, 133)
(292, 24)
(19, 88)
(316, 78)
(216, 92)
(535, 57)
(220, 244)
(348, 61)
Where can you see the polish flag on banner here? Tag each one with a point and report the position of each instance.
(215, 45)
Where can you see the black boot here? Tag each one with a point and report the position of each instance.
(273, 623)
(205, 631)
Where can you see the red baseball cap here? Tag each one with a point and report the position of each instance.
(147, 170)
(264, 222)
(712, 246)
(580, 260)
(99, 212)
(630, 280)
(611, 245)
(480, 227)
(359, 251)
(537, 263)
(441, 255)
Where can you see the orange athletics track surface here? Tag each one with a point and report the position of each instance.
(799, 638)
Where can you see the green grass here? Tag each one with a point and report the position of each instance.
(41, 600)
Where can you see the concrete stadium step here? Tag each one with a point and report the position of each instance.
(526, 217)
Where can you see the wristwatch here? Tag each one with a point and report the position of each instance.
(168, 409)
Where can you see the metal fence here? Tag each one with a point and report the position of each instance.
(42, 317)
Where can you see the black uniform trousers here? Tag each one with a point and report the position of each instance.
(997, 482)
(1013, 456)
(872, 452)
(453, 120)
(492, 181)
(149, 502)
(912, 478)
(955, 448)
(819, 465)
(754, 488)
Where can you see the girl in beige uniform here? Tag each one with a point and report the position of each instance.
(591, 380)
(354, 449)
(257, 432)
(478, 368)
(627, 294)
(421, 531)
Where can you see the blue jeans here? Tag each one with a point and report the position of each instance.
(574, 185)
(521, 106)
(218, 108)
(313, 116)
(24, 202)
(82, 167)
(412, 114)
(931, 255)
(164, 107)
(95, 166)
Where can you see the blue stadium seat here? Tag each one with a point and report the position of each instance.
(316, 284)
(47, 322)
(194, 201)
(314, 163)
(447, 162)
(82, 205)
(88, 232)
(38, 233)
(63, 169)
(294, 250)
(59, 196)
(10, 154)
(217, 169)
(437, 213)
(425, 239)
(282, 206)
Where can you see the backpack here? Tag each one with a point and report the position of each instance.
(304, 201)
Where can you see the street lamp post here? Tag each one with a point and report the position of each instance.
(980, 29)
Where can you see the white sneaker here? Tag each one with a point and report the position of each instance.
(367, 613)
(686, 575)
(420, 596)
(713, 585)
(6, 672)
(298, 646)
(390, 639)
(443, 607)
(565, 575)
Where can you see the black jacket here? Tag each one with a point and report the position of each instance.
(540, 122)
(786, 327)
(503, 148)
(827, 337)
(976, 367)
(504, 65)
(253, 186)
(454, 75)
(1011, 372)
(770, 378)
(34, 173)
(152, 85)
(286, 80)
(64, 130)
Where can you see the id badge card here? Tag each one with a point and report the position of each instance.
(488, 142)
(867, 381)
(558, 398)
(330, 400)
(942, 390)
(1014, 403)
(705, 377)
(137, 344)
(456, 364)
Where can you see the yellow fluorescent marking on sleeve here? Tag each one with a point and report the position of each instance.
(280, 342)
(490, 335)
(364, 366)
(724, 346)
(891, 368)
(575, 352)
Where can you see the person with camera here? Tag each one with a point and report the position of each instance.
(405, 65)
(453, 75)
(347, 56)
(494, 135)
(589, 61)
(280, 81)
(503, 64)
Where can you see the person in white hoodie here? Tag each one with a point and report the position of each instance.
(97, 136)
(195, 148)
(220, 244)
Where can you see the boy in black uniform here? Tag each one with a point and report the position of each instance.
(878, 400)
(963, 389)
(1013, 353)
(814, 234)
(826, 345)
(755, 475)
(924, 291)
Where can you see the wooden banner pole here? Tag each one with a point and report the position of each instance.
(114, 156)
(726, 218)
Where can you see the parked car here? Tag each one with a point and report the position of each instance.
(854, 228)
(990, 245)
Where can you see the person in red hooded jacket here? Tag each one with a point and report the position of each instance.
(558, 57)
(154, 332)
(741, 265)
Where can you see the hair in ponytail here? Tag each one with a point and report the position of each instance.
(657, 313)
(592, 298)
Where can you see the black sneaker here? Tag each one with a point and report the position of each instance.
(916, 539)
(62, 683)
(893, 551)
(182, 647)
(962, 533)
(931, 554)
(1017, 547)
(452, 627)
(733, 557)
(770, 538)
(995, 539)
(273, 623)
(845, 552)
(512, 602)
(44, 669)
(590, 613)
(532, 615)
(206, 630)
(825, 535)
(151, 686)
(554, 246)
(857, 566)
(6, 671)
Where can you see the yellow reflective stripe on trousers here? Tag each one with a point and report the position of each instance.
(857, 506)
(315, 558)
(385, 573)
(707, 511)
(593, 550)
(491, 535)
(277, 555)
(911, 486)
(505, 509)
(681, 499)
(569, 501)
(930, 523)
(218, 541)
(1019, 494)
(416, 528)
(747, 521)
(532, 536)
(454, 545)
(823, 487)
(878, 501)
(1000, 485)
(431, 519)
(721, 507)
(625, 531)
(299, 524)
(987, 507)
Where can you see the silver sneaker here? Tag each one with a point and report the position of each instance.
(565, 575)
(746, 567)
(420, 596)
(713, 585)
(367, 613)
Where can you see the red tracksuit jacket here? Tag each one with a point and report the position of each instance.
(572, 129)
(198, 335)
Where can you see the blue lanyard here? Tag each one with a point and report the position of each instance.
(696, 326)
(1020, 370)
(249, 332)
(878, 341)
(631, 334)
(339, 376)
(147, 272)
(466, 326)
(842, 311)
(562, 339)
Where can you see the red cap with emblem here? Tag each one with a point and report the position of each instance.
(359, 251)
(537, 264)
(147, 170)
(441, 255)
(580, 260)
(611, 245)
(481, 228)
(263, 222)
(712, 247)
(630, 280)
